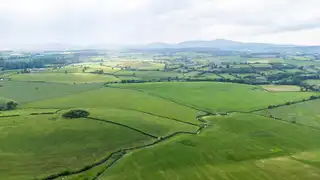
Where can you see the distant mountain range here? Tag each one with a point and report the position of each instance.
(218, 44)
(222, 44)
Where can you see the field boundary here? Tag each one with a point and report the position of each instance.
(126, 150)
(122, 125)
(161, 97)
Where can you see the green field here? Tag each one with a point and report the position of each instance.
(159, 114)
(283, 88)
(268, 66)
(237, 147)
(306, 113)
(24, 92)
(207, 76)
(149, 75)
(313, 82)
(294, 71)
(152, 124)
(69, 78)
(217, 97)
(120, 99)
(228, 76)
(27, 142)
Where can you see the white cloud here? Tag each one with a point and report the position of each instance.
(141, 21)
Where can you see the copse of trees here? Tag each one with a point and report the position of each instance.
(77, 113)
(10, 105)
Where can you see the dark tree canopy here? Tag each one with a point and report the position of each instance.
(76, 113)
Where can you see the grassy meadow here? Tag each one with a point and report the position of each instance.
(29, 141)
(306, 113)
(24, 92)
(120, 99)
(281, 88)
(217, 97)
(69, 78)
(159, 130)
(236, 147)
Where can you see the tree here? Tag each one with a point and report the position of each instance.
(10, 105)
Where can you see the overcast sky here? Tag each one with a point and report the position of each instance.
(86, 22)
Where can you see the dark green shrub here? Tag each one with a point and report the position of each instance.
(77, 113)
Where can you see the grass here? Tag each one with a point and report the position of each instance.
(191, 74)
(315, 82)
(37, 146)
(24, 92)
(69, 78)
(263, 66)
(236, 147)
(280, 88)
(120, 99)
(264, 60)
(272, 72)
(228, 76)
(211, 76)
(294, 71)
(26, 112)
(151, 124)
(148, 75)
(217, 97)
(306, 113)
(245, 75)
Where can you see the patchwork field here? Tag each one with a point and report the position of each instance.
(71, 124)
(24, 92)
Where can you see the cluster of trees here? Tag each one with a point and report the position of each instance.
(23, 64)
(77, 113)
(10, 105)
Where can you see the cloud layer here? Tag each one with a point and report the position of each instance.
(86, 22)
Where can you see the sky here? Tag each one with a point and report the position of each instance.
(87, 22)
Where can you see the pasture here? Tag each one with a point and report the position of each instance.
(314, 82)
(124, 99)
(217, 97)
(306, 113)
(228, 76)
(235, 147)
(281, 88)
(24, 92)
(69, 78)
(89, 121)
(149, 75)
(64, 144)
